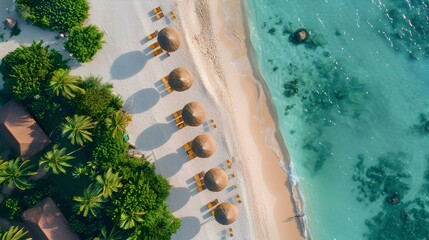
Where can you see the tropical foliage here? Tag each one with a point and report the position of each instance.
(56, 160)
(77, 129)
(14, 233)
(109, 183)
(117, 122)
(65, 84)
(59, 15)
(84, 42)
(16, 173)
(26, 70)
(90, 202)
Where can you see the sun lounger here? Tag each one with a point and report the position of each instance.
(191, 156)
(187, 146)
(199, 175)
(157, 52)
(212, 212)
(159, 15)
(157, 10)
(152, 35)
(200, 183)
(189, 152)
(200, 189)
(154, 45)
(212, 203)
(177, 114)
(182, 125)
(169, 90)
(178, 120)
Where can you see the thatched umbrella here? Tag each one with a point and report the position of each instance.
(203, 146)
(9, 22)
(216, 179)
(169, 39)
(226, 213)
(180, 79)
(193, 114)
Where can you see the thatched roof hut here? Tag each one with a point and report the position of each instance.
(203, 146)
(216, 180)
(20, 131)
(46, 222)
(10, 22)
(193, 114)
(180, 79)
(169, 39)
(226, 213)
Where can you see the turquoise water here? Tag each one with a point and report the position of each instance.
(353, 108)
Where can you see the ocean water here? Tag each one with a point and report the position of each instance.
(353, 108)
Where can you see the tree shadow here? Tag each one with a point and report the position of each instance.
(155, 136)
(142, 100)
(179, 196)
(170, 164)
(128, 64)
(190, 228)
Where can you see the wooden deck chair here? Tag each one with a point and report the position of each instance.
(182, 125)
(169, 90)
(154, 45)
(187, 146)
(157, 10)
(212, 203)
(212, 212)
(152, 35)
(159, 15)
(177, 114)
(200, 189)
(199, 175)
(191, 156)
(178, 120)
(200, 183)
(157, 52)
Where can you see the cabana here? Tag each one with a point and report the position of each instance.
(226, 213)
(169, 39)
(203, 146)
(193, 114)
(20, 131)
(180, 79)
(216, 180)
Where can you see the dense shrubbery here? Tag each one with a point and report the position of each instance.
(27, 69)
(84, 42)
(59, 15)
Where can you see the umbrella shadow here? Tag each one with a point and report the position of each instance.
(190, 228)
(178, 198)
(155, 136)
(169, 164)
(142, 101)
(128, 64)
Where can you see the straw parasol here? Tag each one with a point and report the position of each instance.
(180, 79)
(226, 213)
(216, 179)
(169, 39)
(203, 146)
(9, 22)
(193, 114)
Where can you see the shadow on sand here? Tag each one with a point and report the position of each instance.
(128, 64)
(179, 196)
(170, 164)
(190, 228)
(155, 136)
(142, 101)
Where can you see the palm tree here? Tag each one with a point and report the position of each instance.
(56, 160)
(118, 122)
(128, 220)
(77, 129)
(14, 233)
(109, 183)
(113, 235)
(90, 201)
(16, 173)
(65, 84)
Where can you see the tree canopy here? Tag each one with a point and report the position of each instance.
(84, 42)
(59, 15)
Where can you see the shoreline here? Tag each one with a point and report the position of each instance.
(265, 114)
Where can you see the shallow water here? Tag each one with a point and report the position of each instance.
(353, 107)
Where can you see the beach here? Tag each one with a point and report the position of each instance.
(216, 49)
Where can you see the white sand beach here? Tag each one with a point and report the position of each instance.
(246, 130)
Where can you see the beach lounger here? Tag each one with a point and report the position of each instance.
(157, 10)
(154, 45)
(200, 189)
(212, 212)
(152, 35)
(199, 175)
(173, 16)
(159, 15)
(178, 120)
(169, 90)
(182, 125)
(200, 183)
(187, 146)
(157, 52)
(212, 203)
(177, 114)
(191, 156)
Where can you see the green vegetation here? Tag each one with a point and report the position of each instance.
(59, 15)
(106, 194)
(14, 233)
(84, 42)
(26, 70)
